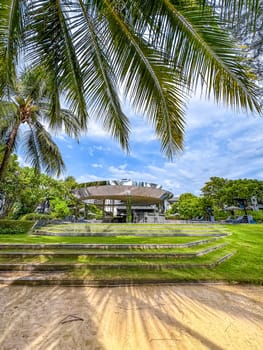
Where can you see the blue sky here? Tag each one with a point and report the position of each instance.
(218, 142)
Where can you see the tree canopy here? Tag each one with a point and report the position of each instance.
(29, 103)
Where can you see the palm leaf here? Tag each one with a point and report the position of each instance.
(149, 83)
(50, 41)
(202, 51)
(8, 118)
(41, 151)
(101, 84)
(232, 11)
(11, 35)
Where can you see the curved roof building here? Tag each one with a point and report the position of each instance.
(140, 192)
(145, 198)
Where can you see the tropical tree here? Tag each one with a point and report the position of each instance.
(213, 190)
(156, 53)
(189, 206)
(10, 186)
(221, 192)
(30, 104)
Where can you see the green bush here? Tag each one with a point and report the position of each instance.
(221, 214)
(35, 217)
(59, 208)
(257, 215)
(15, 226)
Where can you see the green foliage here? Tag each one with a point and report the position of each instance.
(15, 227)
(217, 194)
(30, 102)
(35, 217)
(24, 190)
(59, 208)
(93, 183)
(189, 206)
(93, 212)
(223, 191)
(212, 190)
(10, 188)
(257, 215)
(221, 214)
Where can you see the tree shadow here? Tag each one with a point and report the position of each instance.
(145, 317)
(47, 317)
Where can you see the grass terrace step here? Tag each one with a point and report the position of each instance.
(107, 246)
(113, 228)
(130, 233)
(29, 239)
(82, 266)
(45, 260)
(12, 254)
(132, 230)
(245, 266)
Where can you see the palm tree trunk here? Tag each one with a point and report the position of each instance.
(8, 149)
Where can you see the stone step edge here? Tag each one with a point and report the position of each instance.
(97, 234)
(71, 267)
(106, 246)
(32, 281)
(110, 255)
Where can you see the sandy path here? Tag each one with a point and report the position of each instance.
(149, 318)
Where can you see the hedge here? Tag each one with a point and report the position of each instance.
(35, 217)
(15, 226)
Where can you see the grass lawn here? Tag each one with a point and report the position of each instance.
(246, 266)
(23, 238)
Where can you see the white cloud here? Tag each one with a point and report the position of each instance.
(95, 165)
(119, 173)
(88, 178)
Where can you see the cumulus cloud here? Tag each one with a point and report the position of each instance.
(95, 165)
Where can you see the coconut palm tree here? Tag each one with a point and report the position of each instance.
(154, 53)
(24, 114)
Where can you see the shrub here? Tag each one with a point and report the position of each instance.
(59, 209)
(257, 215)
(35, 217)
(15, 226)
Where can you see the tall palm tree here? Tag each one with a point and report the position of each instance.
(30, 104)
(155, 53)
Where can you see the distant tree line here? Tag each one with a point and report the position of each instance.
(217, 195)
(29, 194)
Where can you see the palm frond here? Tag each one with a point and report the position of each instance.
(65, 121)
(232, 11)
(11, 36)
(155, 52)
(8, 119)
(30, 147)
(33, 83)
(41, 151)
(50, 41)
(196, 44)
(8, 112)
(101, 85)
(149, 83)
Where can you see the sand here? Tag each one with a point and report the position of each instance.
(212, 316)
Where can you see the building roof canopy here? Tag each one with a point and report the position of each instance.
(140, 195)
